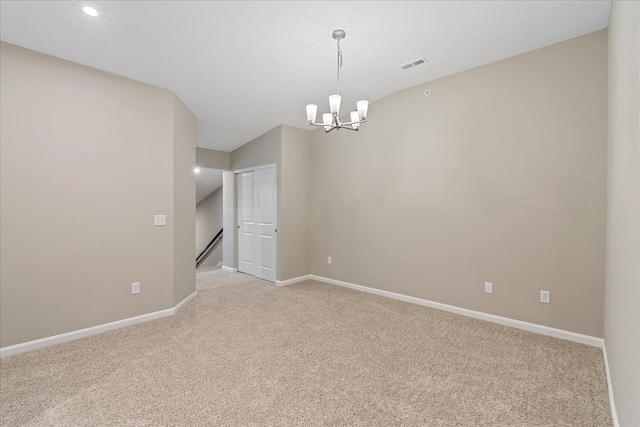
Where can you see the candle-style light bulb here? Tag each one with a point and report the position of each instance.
(334, 104)
(327, 119)
(355, 118)
(362, 106)
(312, 111)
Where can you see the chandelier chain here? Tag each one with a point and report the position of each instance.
(340, 62)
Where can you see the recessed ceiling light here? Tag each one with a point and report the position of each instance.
(196, 170)
(90, 11)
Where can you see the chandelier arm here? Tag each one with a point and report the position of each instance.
(353, 123)
(340, 125)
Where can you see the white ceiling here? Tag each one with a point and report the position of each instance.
(246, 67)
(207, 181)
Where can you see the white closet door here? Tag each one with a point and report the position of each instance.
(266, 215)
(257, 223)
(246, 224)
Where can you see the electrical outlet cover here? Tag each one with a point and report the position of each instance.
(545, 297)
(488, 287)
(159, 220)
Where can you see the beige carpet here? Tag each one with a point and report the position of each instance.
(246, 352)
(214, 277)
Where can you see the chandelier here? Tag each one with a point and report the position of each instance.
(331, 121)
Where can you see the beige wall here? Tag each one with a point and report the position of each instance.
(229, 220)
(264, 150)
(184, 201)
(87, 159)
(296, 179)
(498, 176)
(208, 224)
(213, 159)
(622, 291)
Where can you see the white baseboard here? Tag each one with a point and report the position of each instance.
(532, 327)
(292, 281)
(184, 302)
(614, 414)
(230, 269)
(73, 335)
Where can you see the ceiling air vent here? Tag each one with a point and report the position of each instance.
(414, 63)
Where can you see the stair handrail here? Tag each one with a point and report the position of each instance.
(209, 246)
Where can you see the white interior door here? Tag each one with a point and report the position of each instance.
(246, 225)
(265, 213)
(257, 223)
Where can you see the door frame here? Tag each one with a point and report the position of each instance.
(236, 235)
(255, 168)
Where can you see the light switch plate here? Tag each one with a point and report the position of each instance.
(159, 220)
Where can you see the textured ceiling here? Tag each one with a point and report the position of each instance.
(246, 67)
